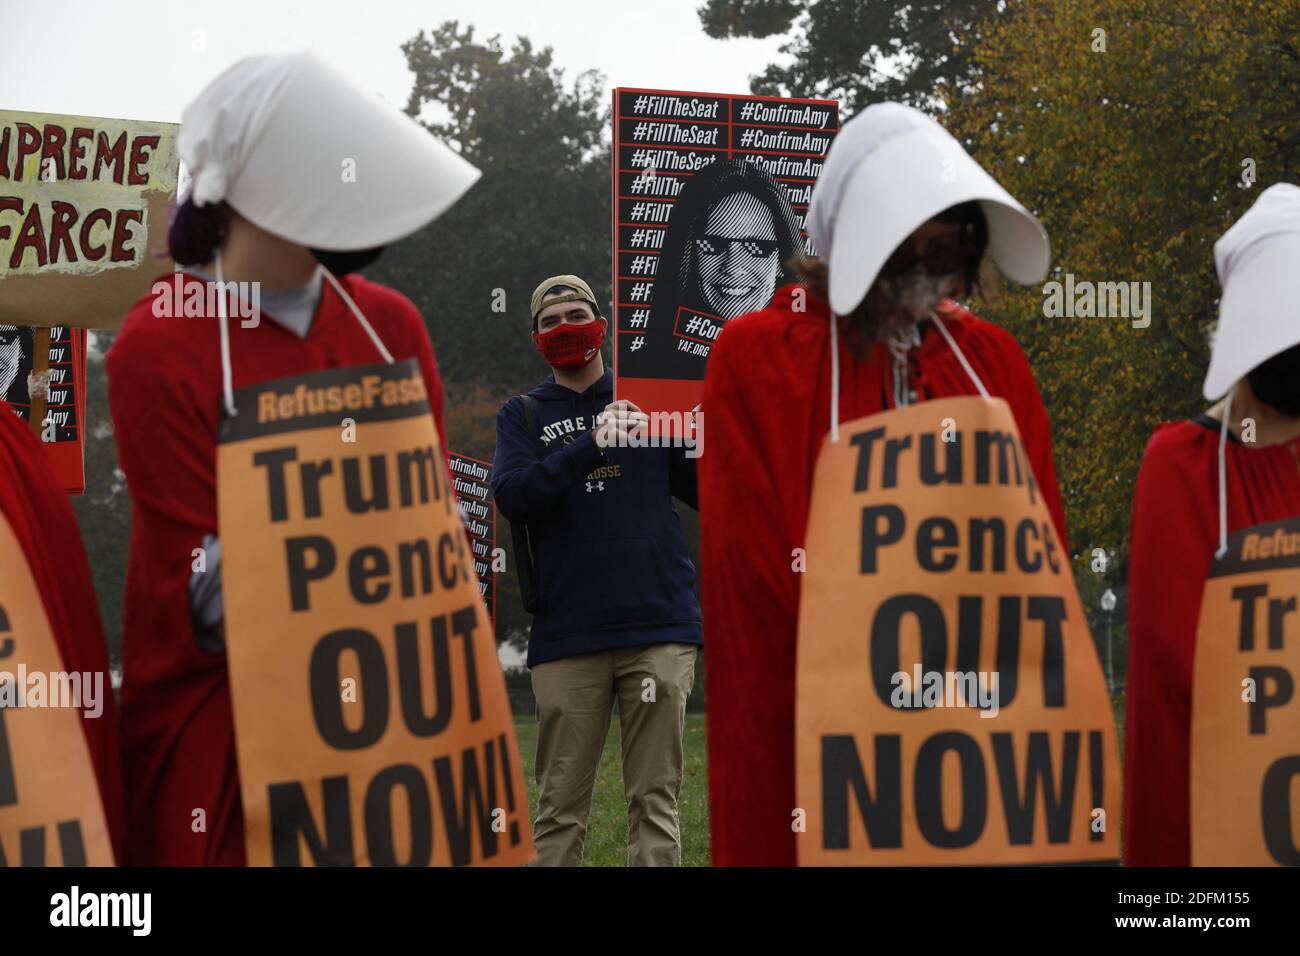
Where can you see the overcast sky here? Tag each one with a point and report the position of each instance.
(146, 59)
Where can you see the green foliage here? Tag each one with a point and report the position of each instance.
(542, 206)
(104, 511)
(606, 843)
(1132, 158)
(748, 18)
(859, 51)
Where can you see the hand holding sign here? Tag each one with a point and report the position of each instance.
(619, 421)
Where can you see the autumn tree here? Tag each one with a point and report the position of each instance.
(1137, 131)
(540, 208)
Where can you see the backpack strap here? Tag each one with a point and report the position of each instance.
(530, 414)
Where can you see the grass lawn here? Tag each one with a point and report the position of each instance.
(607, 826)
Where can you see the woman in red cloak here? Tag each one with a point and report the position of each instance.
(273, 209)
(871, 328)
(36, 507)
(1200, 482)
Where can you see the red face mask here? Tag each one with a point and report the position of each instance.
(569, 346)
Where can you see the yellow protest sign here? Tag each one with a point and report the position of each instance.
(950, 707)
(50, 810)
(371, 718)
(1245, 773)
(83, 216)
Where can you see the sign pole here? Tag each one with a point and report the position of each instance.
(40, 365)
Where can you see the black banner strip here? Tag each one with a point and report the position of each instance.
(364, 393)
(1263, 547)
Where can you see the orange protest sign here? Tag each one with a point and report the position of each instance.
(50, 810)
(950, 706)
(371, 718)
(1245, 774)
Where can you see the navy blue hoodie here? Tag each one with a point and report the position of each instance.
(610, 559)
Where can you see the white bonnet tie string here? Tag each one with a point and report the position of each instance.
(952, 343)
(1223, 477)
(227, 390)
(338, 287)
(835, 370)
(227, 387)
(835, 378)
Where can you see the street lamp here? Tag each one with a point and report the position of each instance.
(1108, 603)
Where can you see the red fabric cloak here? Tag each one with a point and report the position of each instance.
(1175, 532)
(767, 410)
(165, 396)
(37, 508)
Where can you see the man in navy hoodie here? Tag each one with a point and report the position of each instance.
(616, 618)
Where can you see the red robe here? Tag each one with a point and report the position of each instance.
(37, 508)
(767, 410)
(1175, 532)
(165, 395)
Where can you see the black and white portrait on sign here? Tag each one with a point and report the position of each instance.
(729, 239)
(16, 347)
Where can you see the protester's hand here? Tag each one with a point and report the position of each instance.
(207, 609)
(619, 420)
(38, 386)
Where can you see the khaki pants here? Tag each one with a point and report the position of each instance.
(575, 699)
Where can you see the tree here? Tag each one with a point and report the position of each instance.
(1136, 146)
(104, 511)
(540, 208)
(859, 51)
(1127, 126)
